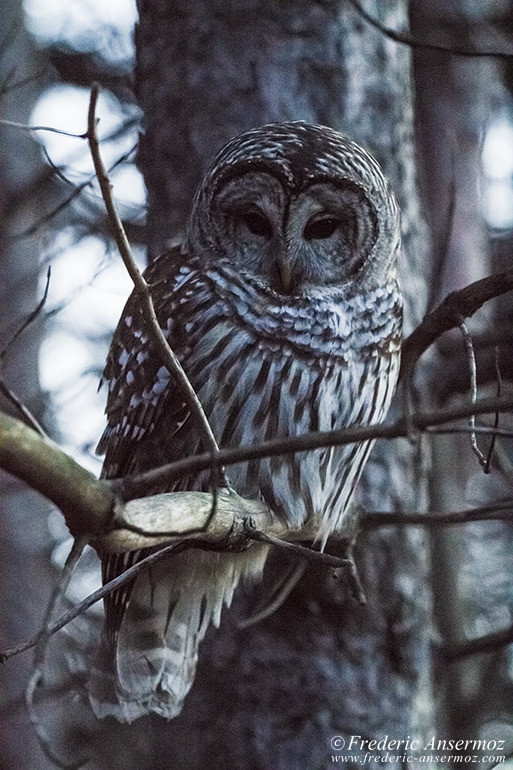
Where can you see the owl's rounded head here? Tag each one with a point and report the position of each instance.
(296, 206)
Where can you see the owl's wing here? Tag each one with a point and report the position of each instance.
(141, 392)
(140, 387)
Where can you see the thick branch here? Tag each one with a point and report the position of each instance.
(86, 502)
(176, 516)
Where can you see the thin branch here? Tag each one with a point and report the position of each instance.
(469, 348)
(489, 643)
(168, 357)
(409, 40)
(344, 566)
(37, 675)
(71, 562)
(316, 557)
(24, 127)
(485, 430)
(135, 486)
(15, 199)
(502, 511)
(105, 590)
(447, 315)
(9, 394)
(491, 449)
(58, 172)
(237, 539)
(30, 318)
(69, 199)
(331, 561)
(43, 740)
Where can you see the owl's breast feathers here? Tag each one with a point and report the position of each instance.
(262, 368)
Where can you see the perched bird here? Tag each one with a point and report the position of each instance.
(283, 307)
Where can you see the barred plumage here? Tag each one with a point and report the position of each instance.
(283, 308)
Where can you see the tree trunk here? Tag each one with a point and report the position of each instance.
(276, 694)
(25, 540)
(470, 564)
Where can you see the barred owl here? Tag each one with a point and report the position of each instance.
(283, 307)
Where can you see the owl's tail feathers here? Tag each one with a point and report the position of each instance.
(151, 665)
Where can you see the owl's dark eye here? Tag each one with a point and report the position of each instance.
(256, 223)
(322, 227)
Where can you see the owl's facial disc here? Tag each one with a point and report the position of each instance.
(321, 236)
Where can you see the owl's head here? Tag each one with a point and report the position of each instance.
(296, 206)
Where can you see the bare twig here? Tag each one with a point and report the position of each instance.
(485, 430)
(44, 742)
(317, 557)
(105, 590)
(491, 449)
(240, 538)
(30, 318)
(473, 390)
(22, 409)
(168, 357)
(409, 40)
(4, 388)
(233, 539)
(78, 189)
(71, 562)
(345, 565)
(24, 127)
(37, 675)
(447, 315)
(40, 180)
